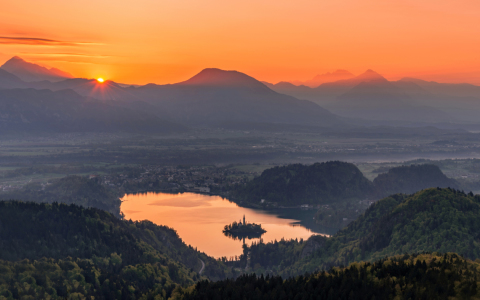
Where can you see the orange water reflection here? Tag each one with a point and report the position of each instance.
(199, 220)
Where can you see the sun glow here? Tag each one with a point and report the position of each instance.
(101, 80)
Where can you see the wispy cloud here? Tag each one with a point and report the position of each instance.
(68, 61)
(67, 55)
(40, 42)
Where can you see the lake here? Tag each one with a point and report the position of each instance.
(199, 220)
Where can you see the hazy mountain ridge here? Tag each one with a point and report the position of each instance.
(10, 81)
(323, 78)
(30, 110)
(372, 97)
(214, 97)
(211, 97)
(32, 72)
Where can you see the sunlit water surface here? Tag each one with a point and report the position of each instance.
(199, 220)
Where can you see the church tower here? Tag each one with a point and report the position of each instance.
(243, 219)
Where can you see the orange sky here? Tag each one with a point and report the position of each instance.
(166, 41)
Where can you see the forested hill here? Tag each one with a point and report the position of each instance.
(70, 190)
(137, 254)
(335, 181)
(410, 179)
(443, 220)
(301, 184)
(423, 276)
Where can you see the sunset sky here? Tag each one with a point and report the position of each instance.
(166, 41)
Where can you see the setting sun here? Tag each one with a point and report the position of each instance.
(101, 80)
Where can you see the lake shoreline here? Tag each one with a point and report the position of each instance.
(199, 219)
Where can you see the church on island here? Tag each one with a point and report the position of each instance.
(244, 229)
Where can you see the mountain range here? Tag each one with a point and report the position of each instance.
(36, 111)
(370, 96)
(232, 99)
(213, 97)
(324, 78)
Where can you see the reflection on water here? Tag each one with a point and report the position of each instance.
(242, 237)
(200, 219)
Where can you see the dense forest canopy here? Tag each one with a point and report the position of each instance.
(436, 219)
(137, 254)
(421, 276)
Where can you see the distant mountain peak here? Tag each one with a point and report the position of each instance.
(371, 75)
(338, 72)
(15, 58)
(336, 75)
(218, 77)
(28, 71)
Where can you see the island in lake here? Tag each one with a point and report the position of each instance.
(242, 230)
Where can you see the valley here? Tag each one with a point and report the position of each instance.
(118, 191)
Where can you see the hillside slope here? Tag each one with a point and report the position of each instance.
(443, 220)
(58, 231)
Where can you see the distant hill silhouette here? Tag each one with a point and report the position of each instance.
(379, 99)
(410, 179)
(215, 96)
(371, 97)
(320, 183)
(367, 76)
(222, 78)
(10, 81)
(336, 181)
(107, 90)
(33, 111)
(328, 77)
(211, 97)
(328, 91)
(28, 71)
(228, 99)
(315, 81)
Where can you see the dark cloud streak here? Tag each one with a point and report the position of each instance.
(39, 41)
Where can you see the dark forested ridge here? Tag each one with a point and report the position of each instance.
(423, 276)
(436, 219)
(335, 181)
(410, 179)
(142, 254)
(301, 184)
(77, 190)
